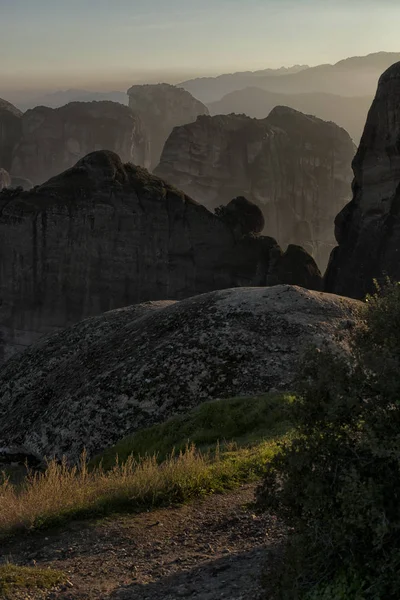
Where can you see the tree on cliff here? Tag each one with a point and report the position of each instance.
(242, 216)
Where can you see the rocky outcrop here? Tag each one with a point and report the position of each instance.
(104, 235)
(296, 168)
(162, 107)
(368, 228)
(22, 182)
(5, 179)
(10, 132)
(54, 139)
(108, 376)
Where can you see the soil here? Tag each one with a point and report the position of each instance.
(210, 550)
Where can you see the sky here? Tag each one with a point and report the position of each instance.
(104, 44)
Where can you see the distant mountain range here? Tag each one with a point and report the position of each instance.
(347, 112)
(62, 97)
(341, 93)
(357, 76)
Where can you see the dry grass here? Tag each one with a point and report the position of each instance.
(63, 492)
(13, 578)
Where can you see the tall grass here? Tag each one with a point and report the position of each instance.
(63, 492)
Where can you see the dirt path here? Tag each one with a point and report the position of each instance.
(208, 550)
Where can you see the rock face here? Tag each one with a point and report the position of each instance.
(368, 228)
(104, 235)
(10, 132)
(162, 107)
(5, 179)
(108, 376)
(54, 139)
(296, 168)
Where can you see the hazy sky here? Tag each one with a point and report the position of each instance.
(66, 43)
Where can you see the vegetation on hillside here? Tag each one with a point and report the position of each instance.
(338, 484)
(156, 467)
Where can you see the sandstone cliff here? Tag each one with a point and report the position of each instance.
(162, 107)
(295, 167)
(10, 132)
(54, 139)
(368, 228)
(106, 377)
(104, 235)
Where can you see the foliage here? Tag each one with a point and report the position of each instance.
(242, 216)
(338, 483)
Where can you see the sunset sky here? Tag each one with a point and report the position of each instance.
(89, 43)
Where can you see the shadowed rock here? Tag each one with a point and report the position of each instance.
(10, 132)
(162, 107)
(5, 179)
(368, 228)
(108, 376)
(296, 168)
(103, 235)
(54, 139)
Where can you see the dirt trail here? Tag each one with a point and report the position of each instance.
(209, 550)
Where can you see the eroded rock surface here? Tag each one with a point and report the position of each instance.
(5, 179)
(296, 168)
(53, 139)
(10, 132)
(109, 376)
(162, 107)
(103, 235)
(368, 228)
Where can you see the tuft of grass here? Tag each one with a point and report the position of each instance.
(13, 578)
(245, 420)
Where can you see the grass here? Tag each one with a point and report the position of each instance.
(145, 471)
(246, 421)
(13, 578)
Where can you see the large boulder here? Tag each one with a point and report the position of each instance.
(368, 228)
(295, 167)
(10, 132)
(53, 139)
(162, 107)
(103, 235)
(108, 376)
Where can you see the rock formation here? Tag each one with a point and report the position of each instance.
(162, 107)
(368, 228)
(22, 182)
(10, 132)
(108, 376)
(5, 179)
(104, 235)
(54, 139)
(295, 167)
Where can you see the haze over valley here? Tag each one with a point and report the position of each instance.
(199, 300)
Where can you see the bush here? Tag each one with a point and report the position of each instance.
(338, 484)
(242, 216)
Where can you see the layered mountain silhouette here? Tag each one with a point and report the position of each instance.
(356, 76)
(347, 112)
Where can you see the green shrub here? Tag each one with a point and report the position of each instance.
(338, 484)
